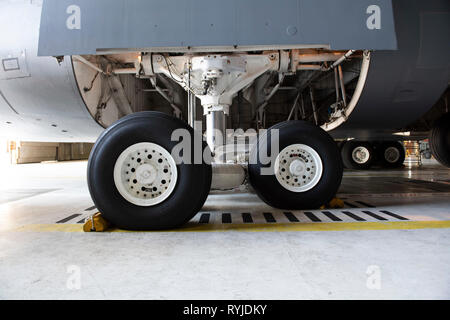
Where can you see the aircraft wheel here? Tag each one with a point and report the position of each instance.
(357, 155)
(440, 140)
(304, 174)
(135, 181)
(391, 154)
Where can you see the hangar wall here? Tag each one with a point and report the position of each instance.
(33, 152)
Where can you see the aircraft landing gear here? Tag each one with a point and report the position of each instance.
(391, 154)
(305, 174)
(361, 155)
(440, 140)
(135, 181)
(357, 155)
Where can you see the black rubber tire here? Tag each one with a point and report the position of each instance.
(191, 190)
(440, 140)
(388, 144)
(346, 154)
(297, 132)
(340, 144)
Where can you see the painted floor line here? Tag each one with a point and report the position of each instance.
(275, 227)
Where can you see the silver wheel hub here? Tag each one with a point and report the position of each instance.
(145, 174)
(391, 154)
(298, 168)
(360, 155)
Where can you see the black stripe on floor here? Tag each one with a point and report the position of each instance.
(351, 205)
(290, 216)
(69, 218)
(365, 204)
(373, 215)
(90, 208)
(226, 218)
(204, 218)
(353, 216)
(331, 216)
(312, 217)
(269, 217)
(393, 215)
(247, 217)
(82, 220)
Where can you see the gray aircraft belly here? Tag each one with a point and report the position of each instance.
(403, 85)
(88, 27)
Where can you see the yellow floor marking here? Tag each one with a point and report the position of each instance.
(275, 227)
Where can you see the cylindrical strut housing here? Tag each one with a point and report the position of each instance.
(215, 129)
(227, 176)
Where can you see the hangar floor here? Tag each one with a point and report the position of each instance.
(391, 241)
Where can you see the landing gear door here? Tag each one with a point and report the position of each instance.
(71, 27)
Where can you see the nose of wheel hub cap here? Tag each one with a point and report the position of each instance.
(146, 174)
(297, 167)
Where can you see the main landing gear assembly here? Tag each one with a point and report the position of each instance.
(361, 155)
(391, 154)
(440, 140)
(138, 182)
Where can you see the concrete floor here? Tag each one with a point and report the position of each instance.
(391, 241)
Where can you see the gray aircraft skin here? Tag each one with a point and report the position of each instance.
(40, 99)
(404, 84)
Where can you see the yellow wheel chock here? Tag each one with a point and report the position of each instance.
(335, 203)
(96, 223)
